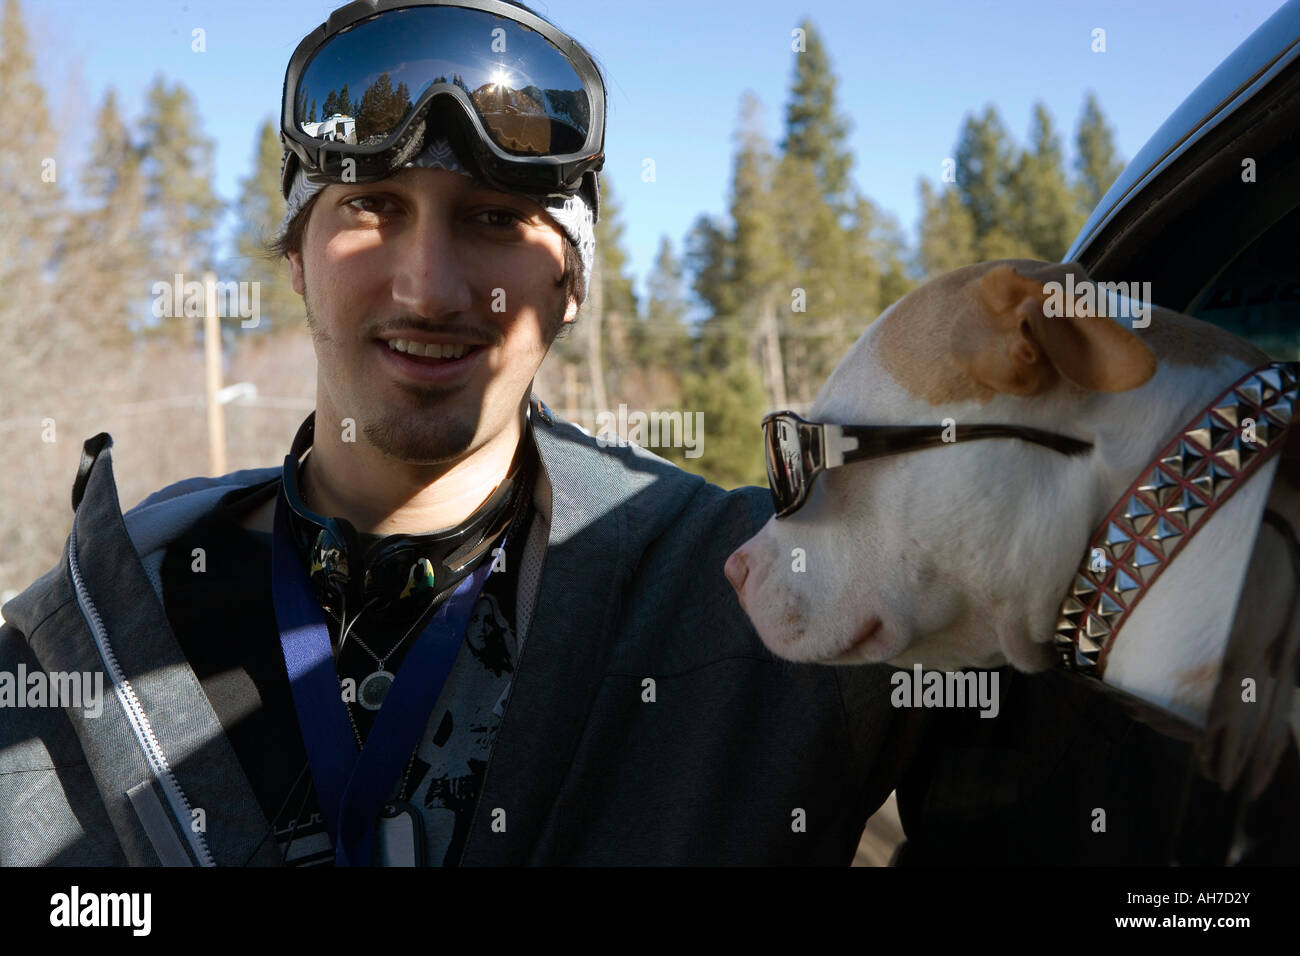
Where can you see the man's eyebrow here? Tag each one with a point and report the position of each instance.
(480, 187)
(533, 209)
(476, 188)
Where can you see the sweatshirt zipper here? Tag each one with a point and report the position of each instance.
(135, 712)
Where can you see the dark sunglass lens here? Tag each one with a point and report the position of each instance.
(784, 462)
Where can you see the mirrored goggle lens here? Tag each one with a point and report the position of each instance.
(363, 84)
(784, 462)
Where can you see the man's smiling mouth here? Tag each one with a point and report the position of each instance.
(432, 350)
(436, 363)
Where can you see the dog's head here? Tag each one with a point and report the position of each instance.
(952, 556)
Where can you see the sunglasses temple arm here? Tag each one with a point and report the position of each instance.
(871, 443)
(851, 448)
(837, 446)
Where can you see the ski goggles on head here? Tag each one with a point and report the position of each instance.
(512, 92)
(798, 450)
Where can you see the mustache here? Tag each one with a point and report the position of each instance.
(478, 333)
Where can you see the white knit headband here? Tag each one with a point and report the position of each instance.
(573, 214)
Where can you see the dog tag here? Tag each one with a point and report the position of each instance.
(399, 835)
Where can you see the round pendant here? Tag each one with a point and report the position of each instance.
(374, 688)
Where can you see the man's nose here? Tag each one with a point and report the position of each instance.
(430, 277)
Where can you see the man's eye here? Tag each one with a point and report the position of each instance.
(506, 218)
(360, 204)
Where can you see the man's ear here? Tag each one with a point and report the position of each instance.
(1015, 346)
(295, 272)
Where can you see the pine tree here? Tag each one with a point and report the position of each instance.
(759, 258)
(1096, 162)
(261, 210)
(181, 210)
(662, 337)
(947, 232)
(820, 293)
(879, 239)
(618, 305)
(1043, 205)
(33, 330)
(815, 132)
(738, 269)
(55, 367)
(598, 344)
(382, 107)
(706, 259)
(848, 257)
(986, 163)
(103, 243)
(617, 289)
(732, 402)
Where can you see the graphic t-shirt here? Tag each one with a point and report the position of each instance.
(220, 607)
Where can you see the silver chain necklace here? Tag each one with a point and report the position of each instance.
(377, 682)
(374, 687)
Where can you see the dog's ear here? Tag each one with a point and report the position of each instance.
(1028, 348)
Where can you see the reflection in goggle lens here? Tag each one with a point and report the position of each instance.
(363, 84)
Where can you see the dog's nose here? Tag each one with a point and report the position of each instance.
(736, 569)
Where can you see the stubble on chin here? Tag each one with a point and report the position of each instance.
(426, 439)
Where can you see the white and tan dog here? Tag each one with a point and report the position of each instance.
(959, 556)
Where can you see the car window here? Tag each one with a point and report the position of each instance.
(1257, 297)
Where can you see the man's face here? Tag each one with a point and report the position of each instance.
(431, 255)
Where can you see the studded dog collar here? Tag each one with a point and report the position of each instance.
(1213, 456)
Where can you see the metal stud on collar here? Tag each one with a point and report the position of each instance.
(1199, 470)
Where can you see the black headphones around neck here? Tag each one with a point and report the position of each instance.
(399, 573)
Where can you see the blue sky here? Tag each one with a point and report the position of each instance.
(908, 74)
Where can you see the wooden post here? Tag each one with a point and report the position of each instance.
(212, 357)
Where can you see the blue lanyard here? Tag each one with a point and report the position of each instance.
(352, 786)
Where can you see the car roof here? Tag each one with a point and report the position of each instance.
(1241, 75)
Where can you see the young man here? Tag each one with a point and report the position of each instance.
(301, 671)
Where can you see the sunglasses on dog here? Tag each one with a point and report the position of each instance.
(798, 450)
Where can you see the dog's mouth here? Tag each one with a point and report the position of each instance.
(859, 639)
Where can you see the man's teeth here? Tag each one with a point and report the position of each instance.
(431, 350)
